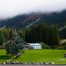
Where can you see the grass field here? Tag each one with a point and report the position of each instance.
(56, 56)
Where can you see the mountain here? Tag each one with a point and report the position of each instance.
(22, 21)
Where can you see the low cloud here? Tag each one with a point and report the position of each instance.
(10, 8)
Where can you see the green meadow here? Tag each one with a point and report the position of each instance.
(56, 56)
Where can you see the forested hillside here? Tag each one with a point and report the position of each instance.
(50, 29)
(21, 21)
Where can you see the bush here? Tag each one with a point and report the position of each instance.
(62, 46)
(45, 46)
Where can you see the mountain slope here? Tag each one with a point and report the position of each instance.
(21, 21)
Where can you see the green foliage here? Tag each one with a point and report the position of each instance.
(63, 33)
(18, 41)
(22, 33)
(53, 36)
(62, 46)
(2, 38)
(43, 33)
(15, 44)
(45, 46)
(46, 33)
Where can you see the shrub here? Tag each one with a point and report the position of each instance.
(45, 46)
(62, 46)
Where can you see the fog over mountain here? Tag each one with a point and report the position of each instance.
(11, 8)
(23, 20)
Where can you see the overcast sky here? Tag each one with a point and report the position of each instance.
(10, 8)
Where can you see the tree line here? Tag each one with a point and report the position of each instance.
(45, 33)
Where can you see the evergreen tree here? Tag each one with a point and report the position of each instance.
(2, 38)
(14, 45)
(53, 38)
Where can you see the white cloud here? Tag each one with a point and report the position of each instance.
(10, 8)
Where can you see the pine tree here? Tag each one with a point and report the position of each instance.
(14, 45)
(2, 38)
